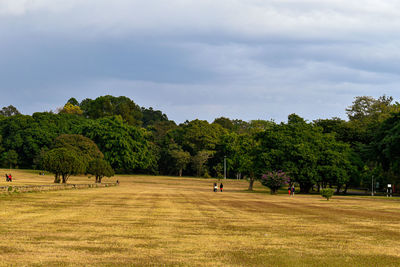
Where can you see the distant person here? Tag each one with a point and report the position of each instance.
(117, 182)
(10, 177)
(215, 187)
(289, 191)
(221, 186)
(293, 190)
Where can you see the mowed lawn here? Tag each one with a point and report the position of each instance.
(150, 220)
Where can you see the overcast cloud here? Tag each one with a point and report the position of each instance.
(246, 59)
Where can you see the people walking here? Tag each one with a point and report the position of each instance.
(7, 180)
(221, 186)
(293, 190)
(215, 187)
(289, 191)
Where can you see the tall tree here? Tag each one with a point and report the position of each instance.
(85, 148)
(126, 147)
(63, 163)
(10, 158)
(100, 168)
(9, 111)
(151, 116)
(105, 106)
(181, 159)
(199, 160)
(71, 109)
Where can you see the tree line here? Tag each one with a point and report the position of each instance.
(115, 134)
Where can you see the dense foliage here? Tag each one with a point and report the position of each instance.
(275, 180)
(63, 163)
(132, 139)
(327, 193)
(99, 168)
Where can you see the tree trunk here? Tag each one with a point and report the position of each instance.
(305, 188)
(338, 189)
(251, 182)
(99, 179)
(345, 189)
(57, 179)
(180, 172)
(64, 179)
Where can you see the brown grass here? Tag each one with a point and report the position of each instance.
(170, 221)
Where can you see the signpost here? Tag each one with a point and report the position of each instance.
(224, 167)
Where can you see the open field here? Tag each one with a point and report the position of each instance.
(151, 220)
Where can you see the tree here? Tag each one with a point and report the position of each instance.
(71, 109)
(327, 193)
(385, 148)
(10, 158)
(181, 159)
(63, 163)
(197, 135)
(100, 168)
(199, 160)
(224, 122)
(151, 116)
(367, 113)
(28, 135)
(85, 148)
(275, 180)
(125, 147)
(73, 101)
(106, 106)
(307, 154)
(9, 111)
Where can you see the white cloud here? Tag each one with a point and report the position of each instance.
(336, 19)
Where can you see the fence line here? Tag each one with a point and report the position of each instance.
(38, 188)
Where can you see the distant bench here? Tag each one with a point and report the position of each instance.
(51, 187)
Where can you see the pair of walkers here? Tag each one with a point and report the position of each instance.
(8, 177)
(221, 186)
(291, 190)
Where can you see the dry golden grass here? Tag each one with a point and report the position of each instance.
(170, 221)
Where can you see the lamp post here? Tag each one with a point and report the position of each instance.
(372, 186)
(224, 167)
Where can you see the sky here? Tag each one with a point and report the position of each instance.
(241, 59)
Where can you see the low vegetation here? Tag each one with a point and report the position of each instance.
(327, 193)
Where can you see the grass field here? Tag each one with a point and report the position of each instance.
(170, 221)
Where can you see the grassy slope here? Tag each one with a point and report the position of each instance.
(170, 221)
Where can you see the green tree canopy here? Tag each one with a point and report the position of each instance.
(85, 148)
(10, 158)
(100, 168)
(151, 116)
(303, 151)
(63, 163)
(125, 147)
(180, 158)
(105, 106)
(9, 111)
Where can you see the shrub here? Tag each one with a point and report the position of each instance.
(327, 193)
(275, 180)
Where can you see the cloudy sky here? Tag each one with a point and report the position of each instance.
(246, 59)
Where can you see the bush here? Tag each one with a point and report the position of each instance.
(327, 193)
(275, 180)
